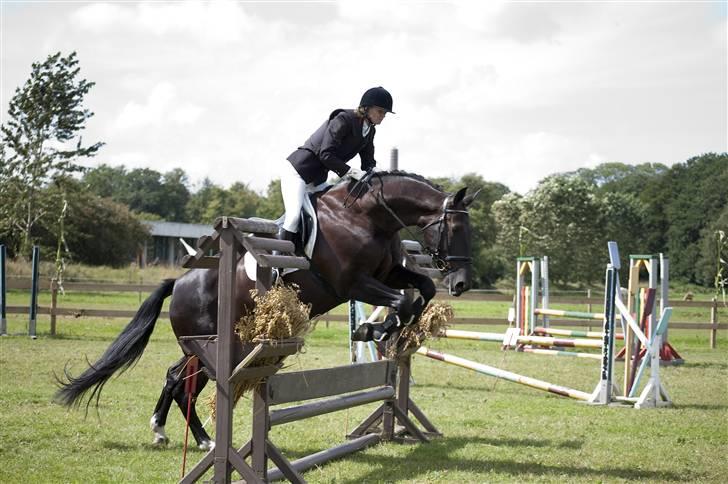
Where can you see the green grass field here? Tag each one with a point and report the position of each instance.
(494, 430)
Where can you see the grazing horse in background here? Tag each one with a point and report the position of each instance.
(357, 256)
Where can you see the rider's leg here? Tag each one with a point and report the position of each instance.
(293, 189)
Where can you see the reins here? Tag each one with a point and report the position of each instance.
(442, 263)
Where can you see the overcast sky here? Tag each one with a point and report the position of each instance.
(513, 91)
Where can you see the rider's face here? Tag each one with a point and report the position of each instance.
(376, 114)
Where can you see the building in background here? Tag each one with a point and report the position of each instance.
(164, 246)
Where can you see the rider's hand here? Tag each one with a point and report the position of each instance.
(355, 173)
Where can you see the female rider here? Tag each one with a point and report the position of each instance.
(346, 133)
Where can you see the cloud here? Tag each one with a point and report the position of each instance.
(159, 108)
(513, 91)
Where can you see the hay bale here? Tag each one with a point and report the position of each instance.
(278, 315)
(433, 320)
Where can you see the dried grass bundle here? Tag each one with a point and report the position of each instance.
(278, 315)
(432, 321)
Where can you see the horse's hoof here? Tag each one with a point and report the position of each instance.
(206, 445)
(380, 334)
(363, 333)
(160, 442)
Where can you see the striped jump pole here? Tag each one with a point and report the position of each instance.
(569, 314)
(505, 375)
(573, 354)
(532, 340)
(573, 333)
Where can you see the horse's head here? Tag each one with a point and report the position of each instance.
(447, 236)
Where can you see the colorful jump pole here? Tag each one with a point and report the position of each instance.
(3, 294)
(533, 340)
(573, 333)
(505, 375)
(573, 354)
(34, 294)
(569, 314)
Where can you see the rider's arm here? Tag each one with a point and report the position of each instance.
(335, 133)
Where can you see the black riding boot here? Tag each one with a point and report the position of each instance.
(284, 234)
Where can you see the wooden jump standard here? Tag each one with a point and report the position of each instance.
(346, 386)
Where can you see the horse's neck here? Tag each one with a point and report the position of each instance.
(413, 201)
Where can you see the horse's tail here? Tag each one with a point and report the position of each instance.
(123, 353)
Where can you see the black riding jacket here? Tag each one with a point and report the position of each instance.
(333, 144)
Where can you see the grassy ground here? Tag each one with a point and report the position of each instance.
(494, 430)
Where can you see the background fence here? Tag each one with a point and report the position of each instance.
(591, 301)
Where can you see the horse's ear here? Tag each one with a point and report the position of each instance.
(470, 198)
(459, 196)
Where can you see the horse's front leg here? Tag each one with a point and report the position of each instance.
(402, 278)
(371, 291)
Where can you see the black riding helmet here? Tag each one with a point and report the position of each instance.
(377, 96)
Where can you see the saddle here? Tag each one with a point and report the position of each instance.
(305, 238)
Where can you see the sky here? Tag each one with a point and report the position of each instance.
(513, 91)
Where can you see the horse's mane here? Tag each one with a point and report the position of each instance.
(402, 173)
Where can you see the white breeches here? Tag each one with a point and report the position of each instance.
(293, 189)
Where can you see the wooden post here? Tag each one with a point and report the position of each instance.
(54, 305)
(33, 316)
(3, 293)
(714, 323)
(225, 323)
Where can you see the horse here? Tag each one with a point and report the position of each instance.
(357, 255)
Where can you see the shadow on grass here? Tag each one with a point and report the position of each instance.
(424, 458)
(716, 365)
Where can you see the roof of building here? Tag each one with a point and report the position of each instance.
(176, 229)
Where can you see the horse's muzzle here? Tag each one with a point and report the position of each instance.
(458, 282)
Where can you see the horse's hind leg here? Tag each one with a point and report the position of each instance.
(202, 438)
(159, 417)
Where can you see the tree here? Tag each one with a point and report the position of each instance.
(697, 197)
(562, 218)
(41, 142)
(98, 231)
(271, 206)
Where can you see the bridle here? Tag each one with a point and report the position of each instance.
(441, 258)
(440, 261)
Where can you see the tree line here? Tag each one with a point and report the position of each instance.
(96, 215)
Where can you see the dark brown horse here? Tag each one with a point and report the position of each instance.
(357, 256)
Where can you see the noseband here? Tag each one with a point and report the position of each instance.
(441, 258)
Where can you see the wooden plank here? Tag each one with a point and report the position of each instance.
(260, 243)
(253, 226)
(205, 348)
(78, 313)
(329, 405)
(208, 242)
(326, 382)
(254, 373)
(286, 261)
(204, 262)
(319, 458)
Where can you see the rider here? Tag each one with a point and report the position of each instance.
(346, 133)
